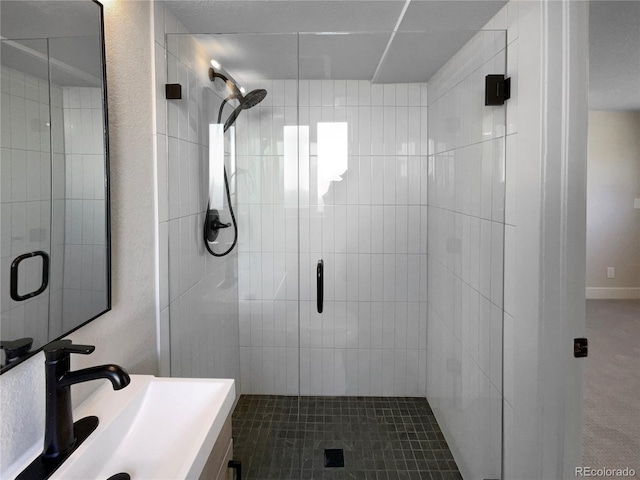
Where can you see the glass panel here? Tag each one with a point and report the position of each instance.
(248, 329)
(26, 191)
(465, 177)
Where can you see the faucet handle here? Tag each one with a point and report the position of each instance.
(57, 350)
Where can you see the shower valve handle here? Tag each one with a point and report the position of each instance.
(213, 224)
(217, 225)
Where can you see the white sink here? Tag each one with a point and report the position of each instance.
(155, 428)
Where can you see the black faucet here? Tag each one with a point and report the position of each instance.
(62, 436)
(59, 436)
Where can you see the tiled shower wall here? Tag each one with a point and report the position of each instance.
(370, 232)
(198, 293)
(84, 289)
(466, 247)
(26, 203)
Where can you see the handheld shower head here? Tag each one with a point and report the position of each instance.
(252, 98)
(247, 101)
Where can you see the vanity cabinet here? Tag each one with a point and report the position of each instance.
(216, 467)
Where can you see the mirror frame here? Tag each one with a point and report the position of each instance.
(107, 193)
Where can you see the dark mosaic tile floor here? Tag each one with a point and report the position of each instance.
(383, 438)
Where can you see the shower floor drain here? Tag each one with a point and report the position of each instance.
(333, 457)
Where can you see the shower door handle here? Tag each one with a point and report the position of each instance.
(320, 284)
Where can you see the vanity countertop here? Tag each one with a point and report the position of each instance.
(155, 428)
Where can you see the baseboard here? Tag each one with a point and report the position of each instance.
(602, 293)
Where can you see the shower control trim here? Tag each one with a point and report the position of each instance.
(213, 224)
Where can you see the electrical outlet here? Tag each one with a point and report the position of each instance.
(611, 272)
(636, 203)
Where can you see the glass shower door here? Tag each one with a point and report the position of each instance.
(405, 219)
(363, 219)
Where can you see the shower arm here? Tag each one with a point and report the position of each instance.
(231, 85)
(213, 74)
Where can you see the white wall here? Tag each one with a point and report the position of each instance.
(127, 334)
(198, 292)
(613, 225)
(369, 228)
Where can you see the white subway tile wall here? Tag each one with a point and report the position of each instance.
(368, 225)
(198, 293)
(466, 190)
(25, 191)
(85, 254)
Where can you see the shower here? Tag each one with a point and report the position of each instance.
(341, 295)
(212, 221)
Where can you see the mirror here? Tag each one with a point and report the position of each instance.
(54, 177)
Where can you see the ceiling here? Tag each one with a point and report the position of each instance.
(614, 55)
(390, 41)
